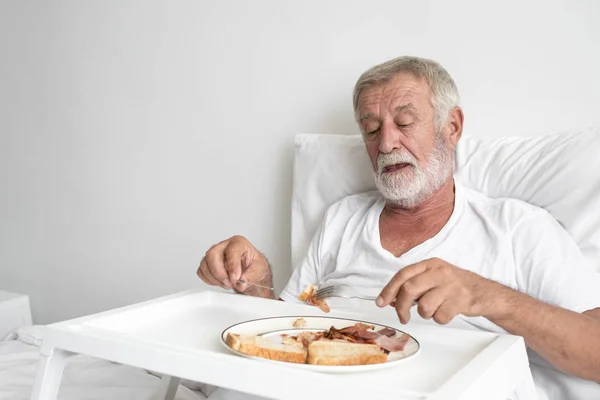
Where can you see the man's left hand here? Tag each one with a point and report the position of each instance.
(441, 289)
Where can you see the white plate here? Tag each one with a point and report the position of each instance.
(275, 326)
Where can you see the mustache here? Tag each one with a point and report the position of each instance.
(385, 160)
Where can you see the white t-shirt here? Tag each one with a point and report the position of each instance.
(505, 240)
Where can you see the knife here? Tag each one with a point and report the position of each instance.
(254, 284)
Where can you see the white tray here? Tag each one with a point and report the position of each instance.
(179, 335)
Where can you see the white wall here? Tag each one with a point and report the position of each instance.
(134, 134)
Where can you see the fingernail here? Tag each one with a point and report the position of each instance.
(406, 319)
(227, 283)
(379, 301)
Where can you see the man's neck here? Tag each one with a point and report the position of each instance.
(402, 228)
(441, 202)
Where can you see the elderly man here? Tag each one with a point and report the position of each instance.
(501, 264)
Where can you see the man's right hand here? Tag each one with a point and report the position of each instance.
(233, 259)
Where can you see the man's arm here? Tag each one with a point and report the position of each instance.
(568, 340)
(595, 313)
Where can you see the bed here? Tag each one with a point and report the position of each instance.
(84, 377)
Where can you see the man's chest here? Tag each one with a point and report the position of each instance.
(372, 264)
(399, 239)
(398, 245)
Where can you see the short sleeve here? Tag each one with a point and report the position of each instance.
(550, 266)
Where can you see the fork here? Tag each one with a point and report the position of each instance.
(344, 291)
(341, 291)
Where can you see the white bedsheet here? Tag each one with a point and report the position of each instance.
(85, 378)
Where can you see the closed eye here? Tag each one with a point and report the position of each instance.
(371, 134)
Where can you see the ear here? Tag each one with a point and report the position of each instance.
(454, 126)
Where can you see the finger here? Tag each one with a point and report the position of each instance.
(390, 291)
(445, 313)
(247, 259)
(215, 261)
(403, 314)
(200, 266)
(258, 271)
(430, 302)
(205, 274)
(413, 289)
(236, 254)
(255, 270)
(245, 263)
(208, 281)
(201, 274)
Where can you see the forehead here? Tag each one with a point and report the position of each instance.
(403, 89)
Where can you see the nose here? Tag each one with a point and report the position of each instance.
(389, 139)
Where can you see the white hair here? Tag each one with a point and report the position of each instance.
(444, 93)
(409, 190)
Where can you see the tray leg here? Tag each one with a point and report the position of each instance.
(49, 374)
(167, 388)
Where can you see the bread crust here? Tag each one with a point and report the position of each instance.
(330, 352)
(248, 345)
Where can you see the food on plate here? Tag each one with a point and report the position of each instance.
(359, 344)
(291, 351)
(309, 295)
(334, 352)
(307, 337)
(363, 333)
(299, 323)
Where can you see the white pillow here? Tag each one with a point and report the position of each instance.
(559, 172)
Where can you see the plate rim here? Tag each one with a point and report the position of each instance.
(324, 368)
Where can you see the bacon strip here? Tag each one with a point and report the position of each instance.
(354, 329)
(392, 343)
(389, 332)
(334, 333)
(367, 334)
(358, 333)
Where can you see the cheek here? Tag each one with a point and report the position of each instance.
(373, 152)
(420, 149)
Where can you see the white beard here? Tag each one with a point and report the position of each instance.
(413, 184)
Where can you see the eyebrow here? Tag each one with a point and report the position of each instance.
(366, 116)
(406, 107)
(402, 108)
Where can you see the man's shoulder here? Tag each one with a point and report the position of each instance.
(507, 210)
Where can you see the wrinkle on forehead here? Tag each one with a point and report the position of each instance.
(389, 96)
(408, 108)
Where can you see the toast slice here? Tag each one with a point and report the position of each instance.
(290, 351)
(334, 352)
